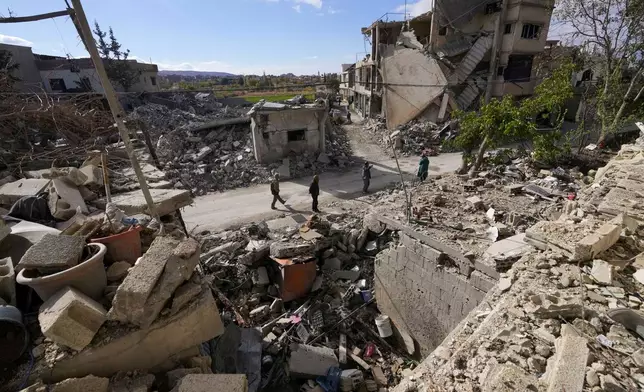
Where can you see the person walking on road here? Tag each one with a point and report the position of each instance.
(314, 190)
(366, 177)
(275, 191)
(423, 167)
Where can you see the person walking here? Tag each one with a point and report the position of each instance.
(275, 191)
(314, 190)
(366, 177)
(423, 167)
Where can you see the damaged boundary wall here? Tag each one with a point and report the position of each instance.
(427, 290)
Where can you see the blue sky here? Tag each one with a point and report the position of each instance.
(237, 36)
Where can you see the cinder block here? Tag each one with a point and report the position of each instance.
(7, 281)
(309, 361)
(212, 382)
(145, 349)
(482, 281)
(569, 366)
(593, 244)
(153, 279)
(70, 318)
(432, 254)
(53, 253)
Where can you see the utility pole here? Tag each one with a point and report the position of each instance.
(84, 31)
(496, 49)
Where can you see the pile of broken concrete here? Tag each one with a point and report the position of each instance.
(411, 138)
(567, 316)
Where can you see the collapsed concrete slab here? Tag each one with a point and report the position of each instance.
(143, 349)
(404, 102)
(311, 361)
(166, 201)
(152, 281)
(86, 384)
(11, 192)
(509, 378)
(70, 318)
(287, 249)
(212, 382)
(53, 253)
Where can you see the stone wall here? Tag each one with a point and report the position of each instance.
(425, 291)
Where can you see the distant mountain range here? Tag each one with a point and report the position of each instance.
(198, 73)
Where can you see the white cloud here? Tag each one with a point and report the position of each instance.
(415, 9)
(315, 3)
(311, 58)
(297, 8)
(7, 39)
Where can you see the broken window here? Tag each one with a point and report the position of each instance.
(500, 71)
(519, 68)
(530, 31)
(492, 8)
(297, 135)
(508, 28)
(442, 31)
(153, 80)
(57, 85)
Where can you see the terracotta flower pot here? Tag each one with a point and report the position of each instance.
(125, 246)
(88, 277)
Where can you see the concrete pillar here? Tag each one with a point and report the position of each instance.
(322, 128)
(256, 147)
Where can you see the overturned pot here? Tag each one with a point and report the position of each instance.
(125, 246)
(14, 337)
(88, 277)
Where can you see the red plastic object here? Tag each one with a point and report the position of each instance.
(368, 351)
(125, 246)
(572, 196)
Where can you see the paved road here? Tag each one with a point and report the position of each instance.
(219, 211)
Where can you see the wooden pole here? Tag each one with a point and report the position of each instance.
(33, 18)
(80, 21)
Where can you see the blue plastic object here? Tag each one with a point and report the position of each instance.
(330, 382)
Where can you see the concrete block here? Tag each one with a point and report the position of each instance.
(603, 272)
(142, 383)
(482, 281)
(7, 281)
(166, 201)
(53, 253)
(332, 264)
(179, 266)
(65, 199)
(118, 271)
(145, 349)
(184, 294)
(476, 202)
(592, 245)
(514, 246)
(85, 384)
(212, 382)
(569, 366)
(11, 192)
(309, 361)
(94, 175)
(151, 282)
(285, 250)
(70, 318)
(431, 254)
(373, 223)
(508, 377)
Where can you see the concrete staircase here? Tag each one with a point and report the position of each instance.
(471, 92)
(471, 60)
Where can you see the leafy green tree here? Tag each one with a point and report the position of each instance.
(117, 66)
(503, 121)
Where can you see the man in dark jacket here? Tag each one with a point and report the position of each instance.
(275, 191)
(366, 177)
(314, 190)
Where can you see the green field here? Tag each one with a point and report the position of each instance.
(276, 97)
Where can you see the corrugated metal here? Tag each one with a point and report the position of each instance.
(471, 60)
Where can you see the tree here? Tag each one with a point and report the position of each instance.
(503, 121)
(333, 84)
(117, 66)
(612, 34)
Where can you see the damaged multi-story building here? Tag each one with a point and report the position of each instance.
(446, 58)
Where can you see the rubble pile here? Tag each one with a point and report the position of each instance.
(306, 285)
(567, 315)
(221, 157)
(411, 138)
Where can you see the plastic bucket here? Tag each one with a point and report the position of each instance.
(14, 338)
(125, 246)
(384, 326)
(88, 277)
